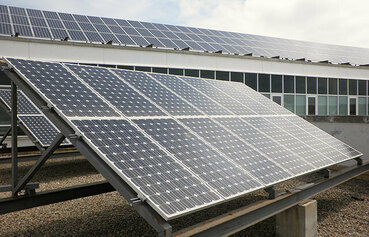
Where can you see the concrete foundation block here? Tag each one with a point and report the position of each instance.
(298, 221)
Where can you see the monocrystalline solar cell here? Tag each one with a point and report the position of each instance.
(55, 23)
(5, 29)
(190, 94)
(114, 90)
(222, 175)
(93, 37)
(34, 13)
(220, 97)
(23, 30)
(24, 105)
(169, 186)
(41, 128)
(70, 25)
(59, 33)
(125, 39)
(38, 22)
(4, 18)
(63, 89)
(157, 93)
(41, 32)
(20, 20)
(77, 35)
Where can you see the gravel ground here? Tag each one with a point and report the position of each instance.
(342, 211)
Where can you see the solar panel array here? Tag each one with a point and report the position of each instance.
(34, 121)
(80, 28)
(182, 143)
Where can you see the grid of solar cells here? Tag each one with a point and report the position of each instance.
(307, 153)
(63, 89)
(208, 164)
(323, 136)
(218, 96)
(148, 168)
(24, 106)
(307, 138)
(192, 95)
(28, 23)
(157, 93)
(114, 90)
(41, 128)
(232, 89)
(273, 150)
(247, 157)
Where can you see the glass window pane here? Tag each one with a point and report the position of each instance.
(362, 105)
(343, 86)
(322, 85)
(162, 70)
(143, 69)
(332, 86)
(277, 83)
(353, 106)
(311, 105)
(277, 99)
(311, 85)
(221, 75)
(237, 76)
(289, 84)
(207, 74)
(176, 71)
(264, 82)
(333, 105)
(322, 105)
(300, 85)
(300, 104)
(343, 105)
(353, 87)
(126, 67)
(362, 87)
(266, 95)
(192, 73)
(251, 80)
(289, 103)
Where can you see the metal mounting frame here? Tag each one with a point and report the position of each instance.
(222, 225)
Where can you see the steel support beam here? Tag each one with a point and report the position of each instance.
(44, 156)
(14, 121)
(27, 157)
(150, 215)
(53, 196)
(237, 220)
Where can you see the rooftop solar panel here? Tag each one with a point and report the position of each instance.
(181, 158)
(168, 36)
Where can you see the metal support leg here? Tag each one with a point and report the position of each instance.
(359, 160)
(273, 193)
(14, 136)
(45, 155)
(6, 134)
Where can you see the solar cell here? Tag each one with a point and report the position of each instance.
(114, 90)
(24, 105)
(64, 90)
(220, 97)
(157, 93)
(169, 186)
(192, 95)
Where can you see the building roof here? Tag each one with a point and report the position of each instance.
(31, 23)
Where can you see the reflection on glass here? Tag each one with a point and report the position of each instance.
(333, 105)
(251, 80)
(289, 103)
(277, 99)
(343, 105)
(264, 82)
(289, 85)
(362, 105)
(352, 106)
(300, 104)
(311, 85)
(311, 105)
(277, 83)
(322, 105)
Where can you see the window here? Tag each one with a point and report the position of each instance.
(289, 103)
(300, 85)
(311, 85)
(126, 67)
(266, 95)
(192, 73)
(160, 70)
(277, 83)
(362, 105)
(143, 69)
(176, 71)
(322, 105)
(289, 84)
(251, 80)
(343, 86)
(322, 85)
(353, 87)
(207, 74)
(300, 104)
(333, 105)
(343, 105)
(332, 86)
(221, 75)
(264, 82)
(237, 76)
(362, 87)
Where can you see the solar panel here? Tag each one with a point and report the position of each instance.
(35, 122)
(167, 138)
(102, 30)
